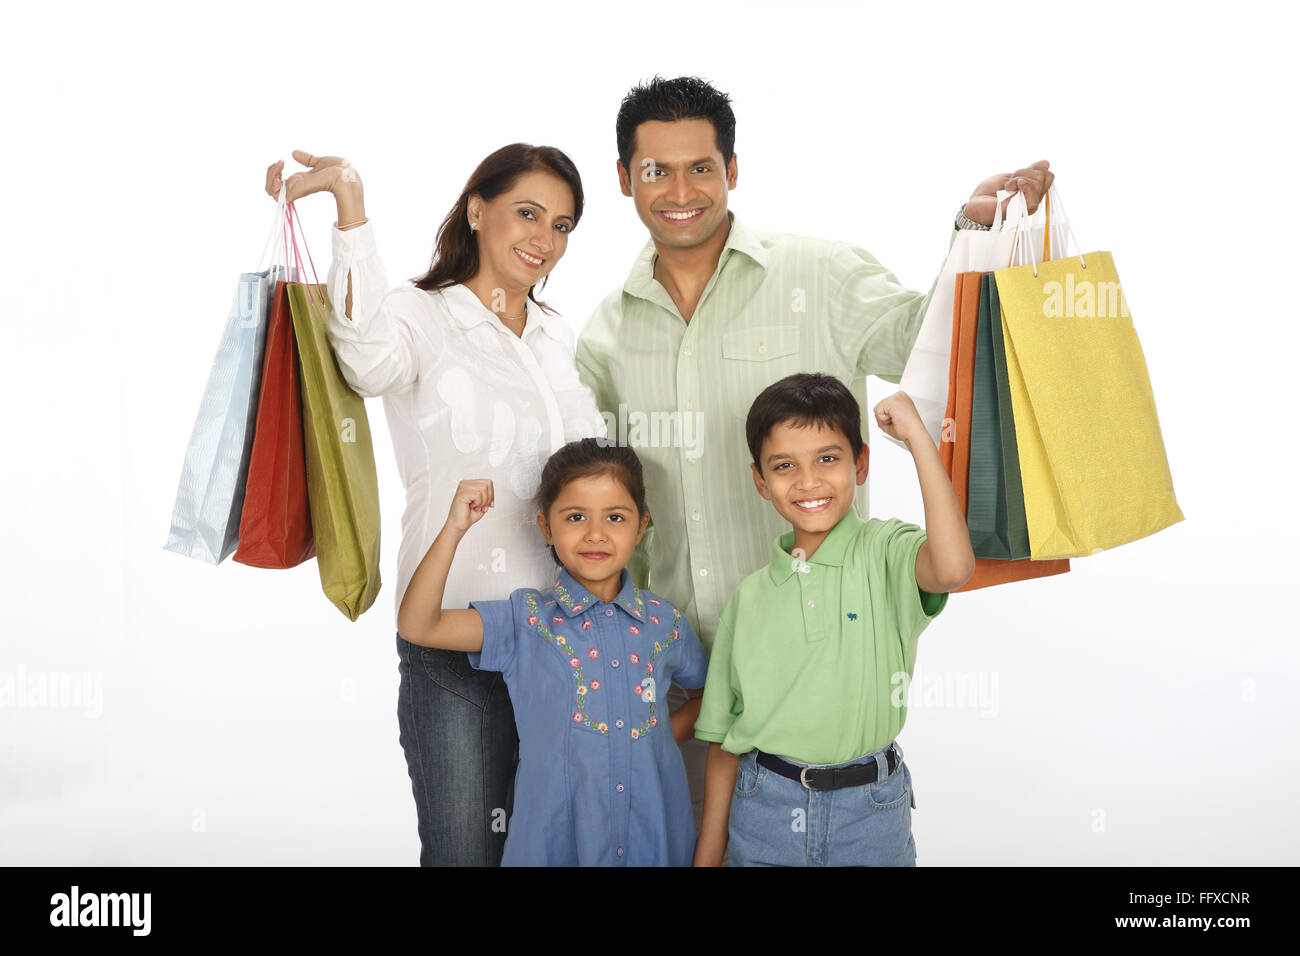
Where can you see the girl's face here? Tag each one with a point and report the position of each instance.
(594, 527)
(523, 232)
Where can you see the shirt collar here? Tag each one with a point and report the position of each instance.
(575, 599)
(830, 553)
(641, 280)
(467, 311)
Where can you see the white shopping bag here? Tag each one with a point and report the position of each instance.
(925, 377)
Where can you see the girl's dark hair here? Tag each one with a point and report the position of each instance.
(670, 100)
(584, 459)
(455, 254)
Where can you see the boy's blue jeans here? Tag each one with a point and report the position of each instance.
(776, 821)
(458, 731)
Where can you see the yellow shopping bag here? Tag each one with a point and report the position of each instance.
(1092, 459)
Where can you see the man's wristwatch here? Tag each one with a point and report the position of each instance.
(963, 222)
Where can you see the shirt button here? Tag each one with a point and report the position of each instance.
(620, 851)
(618, 723)
(704, 572)
(762, 348)
(686, 351)
(609, 612)
(689, 404)
(613, 663)
(619, 788)
(695, 515)
(693, 461)
(812, 603)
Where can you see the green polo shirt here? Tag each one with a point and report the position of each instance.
(808, 665)
(679, 392)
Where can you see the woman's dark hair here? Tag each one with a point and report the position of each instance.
(455, 254)
(806, 398)
(584, 459)
(667, 101)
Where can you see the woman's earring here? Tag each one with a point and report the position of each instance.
(473, 227)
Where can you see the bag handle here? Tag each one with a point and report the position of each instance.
(1023, 216)
(291, 216)
(266, 259)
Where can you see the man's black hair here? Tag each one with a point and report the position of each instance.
(806, 398)
(667, 101)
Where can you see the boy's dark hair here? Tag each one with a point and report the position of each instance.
(667, 101)
(806, 398)
(584, 459)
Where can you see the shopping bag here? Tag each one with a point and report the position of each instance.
(925, 376)
(1092, 457)
(343, 487)
(995, 514)
(275, 528)
(209, 500)
(956, 452)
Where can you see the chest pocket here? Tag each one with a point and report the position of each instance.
(755, 358)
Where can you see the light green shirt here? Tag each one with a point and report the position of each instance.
(679, 392)
(809, 665)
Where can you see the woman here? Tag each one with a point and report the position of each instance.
(478, 380)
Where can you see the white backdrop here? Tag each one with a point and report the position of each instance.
(1140, 709)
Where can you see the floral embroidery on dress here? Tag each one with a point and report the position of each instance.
(646, 689)
(575, 663)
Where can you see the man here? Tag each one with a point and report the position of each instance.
(710, 315)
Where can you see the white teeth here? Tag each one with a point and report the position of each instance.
(682, 215)
(815, 503)
(533, 259)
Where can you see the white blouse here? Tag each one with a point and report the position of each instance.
(465, 398)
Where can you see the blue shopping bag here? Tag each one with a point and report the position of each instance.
(205, 519)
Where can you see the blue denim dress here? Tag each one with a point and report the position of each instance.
(600, 781)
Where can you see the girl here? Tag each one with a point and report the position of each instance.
(477, 378)
(588, 662)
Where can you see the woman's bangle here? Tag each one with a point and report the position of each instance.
(357, 223)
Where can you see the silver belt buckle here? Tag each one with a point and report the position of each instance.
(803, 779)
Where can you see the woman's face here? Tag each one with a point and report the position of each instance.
(523, 232)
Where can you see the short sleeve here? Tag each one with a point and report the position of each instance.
(692, 663)
(722, 702)
(915, 608)
(873, 317)
(499, 637)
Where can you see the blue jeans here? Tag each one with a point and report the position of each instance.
(458, 731)
(776, 821)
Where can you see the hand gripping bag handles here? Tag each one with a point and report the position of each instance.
(1092, 459)
(343, 488)
(275, 529)
(210, 499)
(925, 377)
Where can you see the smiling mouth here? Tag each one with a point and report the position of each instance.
(679, 216)
(530, 261)
(812, 504)
(594, 555)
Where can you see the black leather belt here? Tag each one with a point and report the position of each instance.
(828, 778)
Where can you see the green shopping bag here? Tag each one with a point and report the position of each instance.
(995, 513)
(342, 487)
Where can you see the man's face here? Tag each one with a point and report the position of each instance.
(809, 475)
(678, 181)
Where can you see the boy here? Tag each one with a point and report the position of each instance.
(803, 768)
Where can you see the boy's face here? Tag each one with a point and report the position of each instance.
(678, 181)
(809, 475)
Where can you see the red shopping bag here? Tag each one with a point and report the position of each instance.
(275, 529)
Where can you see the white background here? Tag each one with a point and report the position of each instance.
(1144, 707)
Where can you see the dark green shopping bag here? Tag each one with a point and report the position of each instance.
(995, 513)
(342, 487)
